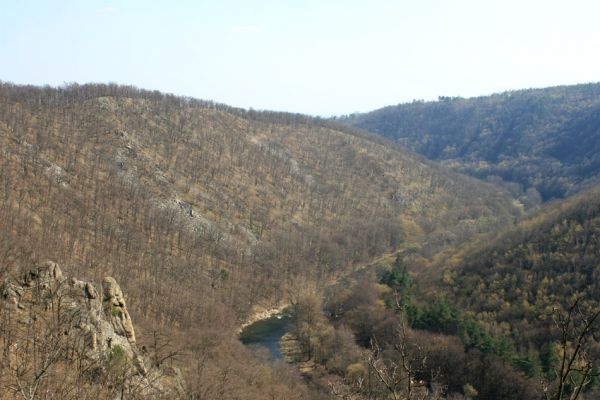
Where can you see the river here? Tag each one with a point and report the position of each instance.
(266, 333)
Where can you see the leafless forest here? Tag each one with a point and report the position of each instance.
(205, 213)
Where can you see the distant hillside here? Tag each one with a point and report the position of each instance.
(542, 139)
(204, 212)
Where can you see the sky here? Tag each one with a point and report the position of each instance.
(319, 57)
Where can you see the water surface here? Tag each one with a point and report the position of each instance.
(267, 334)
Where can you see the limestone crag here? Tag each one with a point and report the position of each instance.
(44, 274)
(99, 327)
(116, 310)
(104, 323)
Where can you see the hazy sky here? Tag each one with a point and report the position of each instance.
(318, 57)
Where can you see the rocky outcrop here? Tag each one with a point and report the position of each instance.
(43, 275)
(115, 309)
(97, 327)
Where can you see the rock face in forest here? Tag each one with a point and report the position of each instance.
(116, 310)
(97, 329)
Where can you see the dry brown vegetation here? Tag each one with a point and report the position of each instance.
(202, 211)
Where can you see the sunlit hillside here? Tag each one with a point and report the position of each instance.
(204, 212)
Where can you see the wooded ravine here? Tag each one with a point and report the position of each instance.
(206, 214)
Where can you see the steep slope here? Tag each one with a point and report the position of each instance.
(202, 211)
(515, 281)
(499, 314)
(542, 139)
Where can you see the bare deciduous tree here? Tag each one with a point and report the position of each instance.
(578, 327)
(399, 369)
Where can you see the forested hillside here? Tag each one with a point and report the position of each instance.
(203, 212)
(530, 295)
(535, 142)
(514, 315)
(543, 262)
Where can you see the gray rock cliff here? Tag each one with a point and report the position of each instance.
(98, 327)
